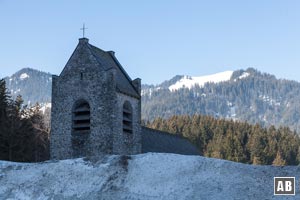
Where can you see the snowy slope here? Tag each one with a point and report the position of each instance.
(146, 176)
(190, 81)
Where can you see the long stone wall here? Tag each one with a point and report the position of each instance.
(163, 142)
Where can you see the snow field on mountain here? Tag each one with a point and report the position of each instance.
(190, 81)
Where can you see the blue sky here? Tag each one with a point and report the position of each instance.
(155, 40)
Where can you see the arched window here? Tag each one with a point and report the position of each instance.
(127, 117)
(81, 116)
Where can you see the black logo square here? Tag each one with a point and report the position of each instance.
(284, 185)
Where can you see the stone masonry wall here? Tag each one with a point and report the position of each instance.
(126, 143)
(83, 79)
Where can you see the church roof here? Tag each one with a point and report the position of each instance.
(108, 60)
(162, 142)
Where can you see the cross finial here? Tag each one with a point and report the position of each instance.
(83, 30)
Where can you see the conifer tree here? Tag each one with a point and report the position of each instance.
(3, 121)
(3, 101)
(279, 161)
(41, 136)
(23, 137)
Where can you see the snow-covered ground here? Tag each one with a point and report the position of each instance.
(190, 81)
(144, 176)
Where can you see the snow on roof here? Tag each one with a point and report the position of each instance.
(190, 81)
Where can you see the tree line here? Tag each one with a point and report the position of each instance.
(234, 140)
(24, 136)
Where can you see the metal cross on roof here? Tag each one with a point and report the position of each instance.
(83, 29)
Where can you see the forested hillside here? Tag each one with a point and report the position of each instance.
(235, 141)
(249, 96)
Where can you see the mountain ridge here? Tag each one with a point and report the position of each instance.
(33, 85)
(247, 95)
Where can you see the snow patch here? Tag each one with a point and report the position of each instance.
(45, 107)
(270, 100)
(17, 91)
(244, 75)
(149, 91)
(24, 76)
(190, 81)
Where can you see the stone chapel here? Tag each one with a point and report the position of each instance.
(96, 108)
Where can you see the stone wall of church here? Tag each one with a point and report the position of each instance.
(98, 89)
(96, 127)
(123, 142)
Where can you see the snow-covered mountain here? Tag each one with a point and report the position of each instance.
(33, 85)
(146, 176)
(191, 81)
(245, 95)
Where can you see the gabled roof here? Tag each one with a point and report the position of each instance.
(108, 61)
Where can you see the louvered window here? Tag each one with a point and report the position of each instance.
(81, 117)
(127, 118)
